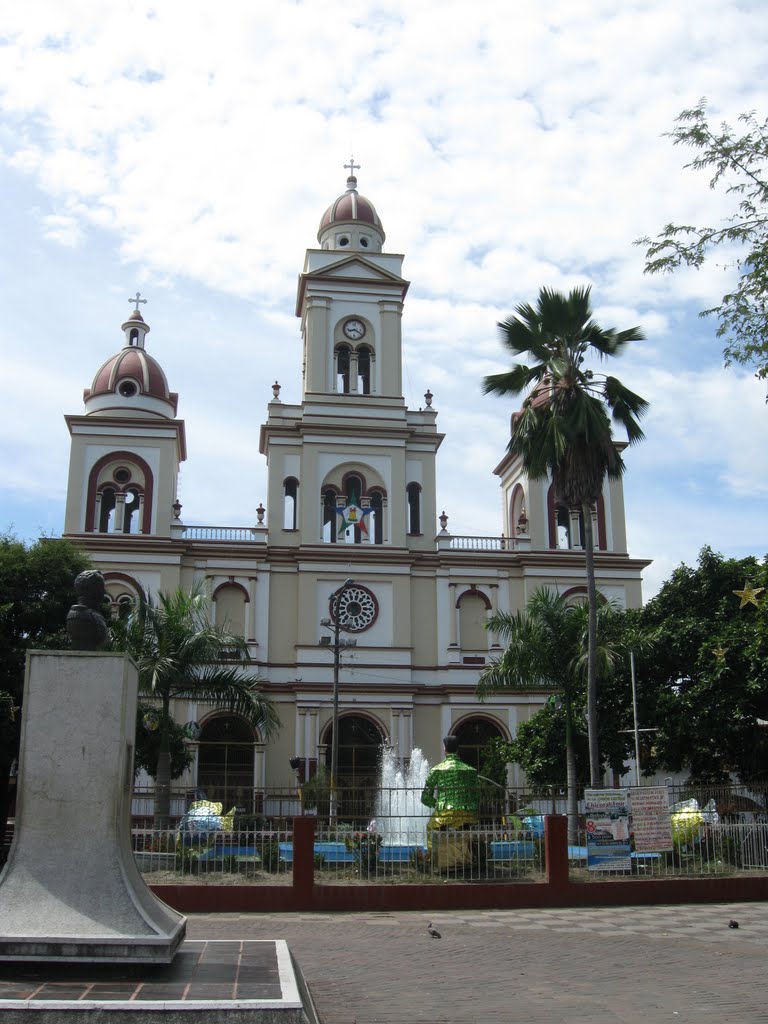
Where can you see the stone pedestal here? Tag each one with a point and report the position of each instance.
(71, 890)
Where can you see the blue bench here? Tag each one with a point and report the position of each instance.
(504, 851)
(332, 853)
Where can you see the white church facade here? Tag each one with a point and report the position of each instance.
(352, 495)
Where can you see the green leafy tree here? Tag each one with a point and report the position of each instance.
(546, 648)
(178, 652)
(564, 428)
(36, 592)
(705, 686)
(147, 749)
(738, 163)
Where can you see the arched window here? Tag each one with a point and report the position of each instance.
(343, 354)
(133, 337)
(329, 515)
(413, 492)
(473, 608)
(225, 761)
(360, 741)
(376, 527)
(290, 503)
(560, 524)
(518, 520)
(364, 370)
(229, 601)
(120, 488)
(354, 487)
(123, 592)
(107, 509)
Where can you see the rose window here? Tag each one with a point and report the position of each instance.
(356, 607)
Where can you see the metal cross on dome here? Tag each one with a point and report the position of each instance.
(352, 167)
(136, 300)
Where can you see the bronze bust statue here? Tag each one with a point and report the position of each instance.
(85, 625)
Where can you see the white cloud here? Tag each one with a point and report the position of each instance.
(504, 153)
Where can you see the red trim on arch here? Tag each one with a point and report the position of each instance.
(149, 484)
(474, 592)
(110, 575)
(231, 583)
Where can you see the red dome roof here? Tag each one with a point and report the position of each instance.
(351, 207)
(135, 363)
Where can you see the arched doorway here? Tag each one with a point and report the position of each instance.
(360, 741)
(225, 761)
(473, 734)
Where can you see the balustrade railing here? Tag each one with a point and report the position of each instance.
(252, 534)
(466, 543)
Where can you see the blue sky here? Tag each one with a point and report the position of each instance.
(190, 154)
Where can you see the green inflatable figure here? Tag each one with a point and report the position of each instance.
(452, 789)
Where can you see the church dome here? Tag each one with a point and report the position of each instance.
(351, 222)
(131, 382)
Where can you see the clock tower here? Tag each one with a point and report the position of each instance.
(352, 444)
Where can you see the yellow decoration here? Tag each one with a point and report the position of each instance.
(720, 653)
(749, 595)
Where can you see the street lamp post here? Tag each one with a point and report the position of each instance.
(338, 643)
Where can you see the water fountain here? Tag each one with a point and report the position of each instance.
(400, 816)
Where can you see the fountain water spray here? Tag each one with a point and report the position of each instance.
(401, 818)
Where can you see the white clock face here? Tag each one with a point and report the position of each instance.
(354, 329)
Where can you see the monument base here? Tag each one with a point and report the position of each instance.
(71, 890)
(213, 982)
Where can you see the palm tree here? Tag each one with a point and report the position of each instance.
(546, 649)
(564, 428)
(178, 652)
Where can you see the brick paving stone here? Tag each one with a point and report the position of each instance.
(607, 966)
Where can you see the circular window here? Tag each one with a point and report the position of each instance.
(344, 241)
(127, 388)
(122, 475)
(364, 242)
(357, 608)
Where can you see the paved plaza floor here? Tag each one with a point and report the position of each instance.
(621, 965)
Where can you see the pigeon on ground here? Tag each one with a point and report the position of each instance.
(434, 932)
(733, 924)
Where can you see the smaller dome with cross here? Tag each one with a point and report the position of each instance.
(351, 221)
(131, 382)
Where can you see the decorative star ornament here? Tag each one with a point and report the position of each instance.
(749, 595)
(720, 653)
(353, 515)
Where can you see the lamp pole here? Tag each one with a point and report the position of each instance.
(336, 665)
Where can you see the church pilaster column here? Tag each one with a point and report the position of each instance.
(395, 736)
(574, 528)
(494, 589)
(453, 616)
(314, 736)
(97, 513)
(365, 535)
(259, 766)
(119, 512)
(595, 531)
(140, 515)
(385, 518)
(250, 625)
(407, 732)
(353, 371)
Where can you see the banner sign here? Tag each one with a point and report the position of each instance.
(607, 814)
(651, 821)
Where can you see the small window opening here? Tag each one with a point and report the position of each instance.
(413, 492)
(376, 527)
(127, 388)
(344, 240)
(364, 370)
(133, 338)
(290, 503)
(342, 369)
(364, 242)
(131, 522)
(329, 516)
(107, 510)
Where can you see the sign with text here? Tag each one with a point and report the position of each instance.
(607, 814)
(651, 821)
